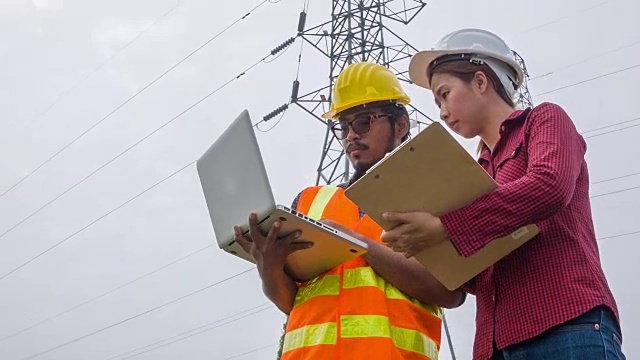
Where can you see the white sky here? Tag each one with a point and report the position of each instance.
(50, 93)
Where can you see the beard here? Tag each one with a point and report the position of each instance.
(362, 168)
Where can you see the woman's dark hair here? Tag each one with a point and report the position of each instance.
(465, 71)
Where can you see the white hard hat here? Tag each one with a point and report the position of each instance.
(474, 45)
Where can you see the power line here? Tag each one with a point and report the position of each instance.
(305, 10)
(294, 93)
(251, 311)
(95, 221)
(277, 122)
(446, 329)
(565, 17)
(616, 178)
(283, 108)
(133, 97)
(198, 330)
(251, 352)
(588, 80)
(619, 235)
(615, 192)
(64, 94)
(610, 126)
(612, 131)
(585, 60)
(137, 315)
(134, 145)
(115, 158)
(103, 294)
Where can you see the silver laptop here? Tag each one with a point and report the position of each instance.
(235, 183)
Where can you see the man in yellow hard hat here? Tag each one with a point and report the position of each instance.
(380, 305)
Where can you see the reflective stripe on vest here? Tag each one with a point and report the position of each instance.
(366, 276)
(353, 278)
(327, 285)
(361, 326)
(311, 335)
(353, 326)
(320, 201)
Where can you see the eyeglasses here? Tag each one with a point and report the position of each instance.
(360, 125)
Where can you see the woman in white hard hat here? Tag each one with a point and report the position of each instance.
(549, 299)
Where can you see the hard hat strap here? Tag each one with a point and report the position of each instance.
(376, 104)
(452, 57)
(498, 67)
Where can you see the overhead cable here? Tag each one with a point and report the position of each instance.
(109, 292)
(566, 16)
(67, 343)
(616, 178)
(94, 222)
(612, 131)
(250, 352)
(610, 126)
(615, 192)
(121, 154)
(194, 332)
(588, 80)
(64, 94)
(584, 61)
(619, 235)
(132, 97)
(296, 83)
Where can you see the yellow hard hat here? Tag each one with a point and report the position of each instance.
(363, 83)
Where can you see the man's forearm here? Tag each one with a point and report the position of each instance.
(280, 289)
(411, 277)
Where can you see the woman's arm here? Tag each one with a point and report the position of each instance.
(555, 158)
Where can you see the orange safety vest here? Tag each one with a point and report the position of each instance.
(350, 312)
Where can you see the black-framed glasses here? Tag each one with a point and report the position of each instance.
(360, 125)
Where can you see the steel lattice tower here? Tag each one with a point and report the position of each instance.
(523, 97)
(357, 32)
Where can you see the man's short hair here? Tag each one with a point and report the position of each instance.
(398, 110)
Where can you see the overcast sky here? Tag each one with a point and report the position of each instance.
(65, 69)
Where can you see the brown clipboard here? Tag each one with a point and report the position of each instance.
(432, 172)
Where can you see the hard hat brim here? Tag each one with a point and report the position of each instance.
(332, 114)
(420, 62)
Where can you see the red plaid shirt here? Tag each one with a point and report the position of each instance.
(543, 178)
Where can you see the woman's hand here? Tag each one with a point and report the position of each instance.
(416, 232)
